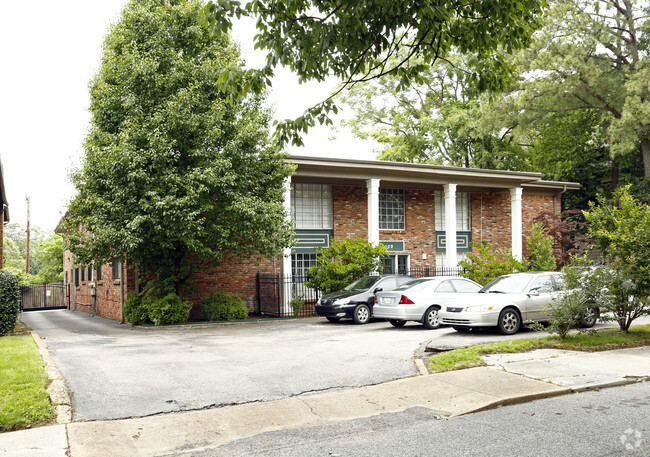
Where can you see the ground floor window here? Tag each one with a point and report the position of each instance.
(301, 262)
(442, 263)
(396, 264)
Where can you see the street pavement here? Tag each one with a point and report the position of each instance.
(449, 394)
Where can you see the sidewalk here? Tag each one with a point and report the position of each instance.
(506, 381)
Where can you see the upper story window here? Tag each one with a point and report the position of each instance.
(117, 269)
(463, 223)
(391, 209)
(311, 206)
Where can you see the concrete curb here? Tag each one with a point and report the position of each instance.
(57, 390)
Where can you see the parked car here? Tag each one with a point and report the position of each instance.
(507, 302)
(420, 299)
(357, 300)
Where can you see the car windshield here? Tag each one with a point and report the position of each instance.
(415, 284)
(363, 283)
(514, 284)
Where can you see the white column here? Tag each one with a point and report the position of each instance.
(450, 225)
(516, 222)
(286, 255)
(373, 211)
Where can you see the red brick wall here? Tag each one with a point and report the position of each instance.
(419, 235)
(491, 218)
(492, 224)
(107, 299)
(533, 206)
(350, 210)
(235, 276)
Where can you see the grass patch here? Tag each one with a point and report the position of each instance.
(23, 399)
(601, 340)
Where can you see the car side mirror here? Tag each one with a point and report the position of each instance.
(378, 289)
(533, 293)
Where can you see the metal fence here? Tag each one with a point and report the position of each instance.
(42, 296)
(271, 288)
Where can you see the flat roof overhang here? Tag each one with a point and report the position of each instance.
(422, 176)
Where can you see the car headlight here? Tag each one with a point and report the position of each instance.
(342, 301)
(479, 309)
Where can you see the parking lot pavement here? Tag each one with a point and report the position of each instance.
(117, 371)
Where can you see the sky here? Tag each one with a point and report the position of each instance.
(49, 52)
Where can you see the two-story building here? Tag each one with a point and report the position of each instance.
(426, 215)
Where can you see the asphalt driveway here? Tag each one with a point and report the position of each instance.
(118, 371)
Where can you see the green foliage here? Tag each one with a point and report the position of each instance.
(45, 258)
(440, 121)
(606, 338)
(151, 309)
(359, 41)
(23, 399)
(9, 301)
(297, 303)
(540, 248)
(487, 263)
(167, 310)
(592, 56)
(621, 230)
(344, 261)
(176, 173)
(135, 311)
(567, 310)
(223, 306)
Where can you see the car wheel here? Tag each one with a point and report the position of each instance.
(590, 317)
(509, 321)
(431, 319)
(361, 314)
(462, 329)
(396, 323)
(333, 319)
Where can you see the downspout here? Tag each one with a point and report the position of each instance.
(122, 272)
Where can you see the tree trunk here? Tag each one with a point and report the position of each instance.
(645, 153)
(615, 173)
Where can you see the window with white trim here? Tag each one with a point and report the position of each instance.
(463, 211)
(391, 209)
(301, 262)
(311, 206)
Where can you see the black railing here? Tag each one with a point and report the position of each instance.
(272, 288)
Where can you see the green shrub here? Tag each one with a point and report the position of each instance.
(223, 306)
(540, 247)
(487, 263)
(155, 310)
(9, 302)
(135, 310)
(343, 262)
(167, 310)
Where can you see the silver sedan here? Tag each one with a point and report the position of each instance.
(506, 302)
(420, 299)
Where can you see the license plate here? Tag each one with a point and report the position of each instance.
(388, 301)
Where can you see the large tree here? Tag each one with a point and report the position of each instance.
(176, 174)
(441, 120)
(357, 41)
(593, 55)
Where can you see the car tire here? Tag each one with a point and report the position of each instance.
(396, 323)
(333, 319)
(361, 314)
(430, 319)
(509, 321)
(590, 317)
(462, 329)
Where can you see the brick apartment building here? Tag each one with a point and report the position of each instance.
(413, 209)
